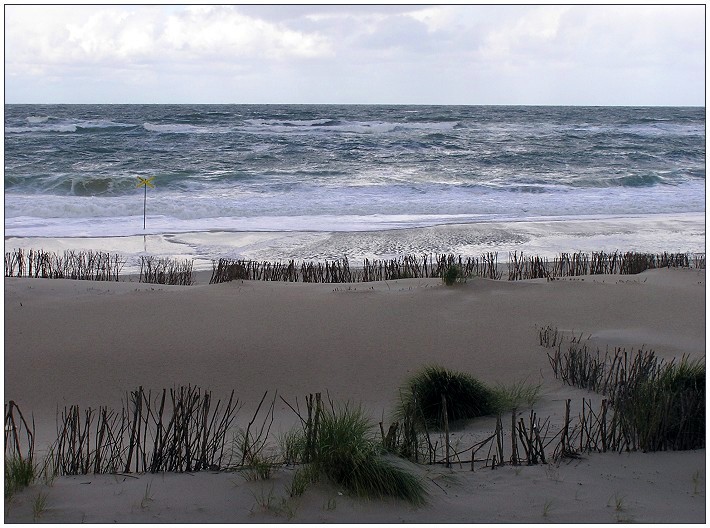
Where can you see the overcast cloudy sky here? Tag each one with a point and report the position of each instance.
(566, 55)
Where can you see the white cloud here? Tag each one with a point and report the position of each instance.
(224, 31)
(52, 36)
(535, 27)
(453, 53)
(440, 18)
(600, 36)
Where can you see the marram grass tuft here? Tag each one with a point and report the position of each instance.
(348, 453)
(466, 397)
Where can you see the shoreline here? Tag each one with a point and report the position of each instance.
(544, 238)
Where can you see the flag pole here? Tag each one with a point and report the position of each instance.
(145, 182)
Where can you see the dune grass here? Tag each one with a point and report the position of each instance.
(39, 505)
(518, 395)
(668, 410)
(258, 468)
(347, 452)
(302, 478)
(452, 274)
(686, 375)
(658, 406)
(19, 473)
(421, 399)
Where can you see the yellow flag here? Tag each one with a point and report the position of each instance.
(143, 182)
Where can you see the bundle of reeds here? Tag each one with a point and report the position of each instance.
(338, 271)
(579, 367)
(397, 268)
(522, 268)
(19, 435)
(277, 271)
(92, 265)
(699, 260)
(226, 270)
(615, 374)
(20, 469)
(15, 263)
(571, 265)
(312, 272)
(77, 265)
(166, 271)
(150, 434)
(549, 337)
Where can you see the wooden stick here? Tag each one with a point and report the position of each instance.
(446, 427)
(513, 440)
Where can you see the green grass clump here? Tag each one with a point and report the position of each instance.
(302, 478)
(258, 469)
(292, 447)
(451, 275)
(687, 375)
(19, 473)
(667, 411)
(466, 397)
(516, 396)
(39, 506)
(347, 452)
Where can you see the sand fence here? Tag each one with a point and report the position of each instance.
(648, 405)
(104, 266)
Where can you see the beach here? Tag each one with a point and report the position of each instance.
(88, 343)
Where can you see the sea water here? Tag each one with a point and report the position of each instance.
(313, 182)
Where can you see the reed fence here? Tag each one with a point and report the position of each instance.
(648, 404)
(183, 430)
(527, 440)
(520, 267)
(94, 265)
(180, 430)
(78, 265)
(156, 270)
(656, 404)
(530, 440)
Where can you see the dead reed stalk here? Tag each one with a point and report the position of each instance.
(651, 404)
(76, 265)
(166, 271)
(19, 436)
(146, 436)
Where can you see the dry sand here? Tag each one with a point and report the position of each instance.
(87, 343)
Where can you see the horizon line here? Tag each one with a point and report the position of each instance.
(640, 105)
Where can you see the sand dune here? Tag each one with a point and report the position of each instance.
(87, 343)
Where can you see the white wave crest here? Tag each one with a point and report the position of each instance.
(51, 128)
(103, 123)
(178, 128)
(340, 126)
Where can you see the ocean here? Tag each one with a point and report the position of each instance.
(313, 182)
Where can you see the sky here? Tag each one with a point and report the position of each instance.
(359, 54)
